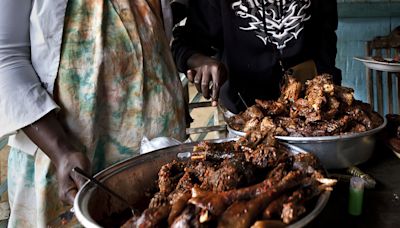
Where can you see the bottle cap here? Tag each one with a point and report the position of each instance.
(357, 183)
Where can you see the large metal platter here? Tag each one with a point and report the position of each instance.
(132, 178)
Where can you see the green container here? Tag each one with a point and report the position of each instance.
(356, 194)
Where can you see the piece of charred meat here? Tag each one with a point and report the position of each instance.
(217, 202)
(331, 109)
(294, 207)
(243, 214)
(300, 108)
(290, 90)
(229, 174)
(190, 217)
(272, 108)
(251, 124)
(316, 91)
(265, 156)
(153, 217)
(238, 122)
(344, 94)
(274, 209)
(169, 176)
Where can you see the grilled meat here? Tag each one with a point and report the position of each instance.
(322, 109)
(229, 174)
(274, 209)
(272, 108)
(153, 217)
(188, 218)
(169, 176)
(290, 90)
(252, 124)
(265, 156)
(243, 214)
(344, 94)
(230, 180)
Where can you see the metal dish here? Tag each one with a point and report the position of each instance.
(339, 151)
(334, 152)
(234, 133)
(134, 177)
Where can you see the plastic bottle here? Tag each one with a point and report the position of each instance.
(356, 194)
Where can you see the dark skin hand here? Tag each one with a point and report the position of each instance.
(48, 134)
(204, 71)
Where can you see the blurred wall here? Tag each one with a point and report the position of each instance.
(360, 21)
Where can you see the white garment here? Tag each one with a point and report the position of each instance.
(30, 44)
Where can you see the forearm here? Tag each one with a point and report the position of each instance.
(48, 134)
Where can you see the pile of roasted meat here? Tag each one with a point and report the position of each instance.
(252, 181)
(318, 108)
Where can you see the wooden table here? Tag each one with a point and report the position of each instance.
(381, 204)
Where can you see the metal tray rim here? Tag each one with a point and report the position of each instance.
(320, 138)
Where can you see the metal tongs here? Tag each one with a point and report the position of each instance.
(106, 189)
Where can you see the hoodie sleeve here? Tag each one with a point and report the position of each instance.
(326, 19)
(202, 32)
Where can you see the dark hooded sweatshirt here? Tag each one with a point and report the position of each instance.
(252, 37)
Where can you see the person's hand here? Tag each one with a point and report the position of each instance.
(48, 134)
(70, 182)
(207, 73)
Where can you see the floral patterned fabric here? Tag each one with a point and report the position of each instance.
(116, 83)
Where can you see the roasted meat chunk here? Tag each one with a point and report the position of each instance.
(290, 90)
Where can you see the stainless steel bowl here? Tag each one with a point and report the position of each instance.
(339, 151)
(134, 177)
(234, 133)
(334, 152)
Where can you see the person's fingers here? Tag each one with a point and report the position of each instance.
(205, 84)
(218, 78)
(214, 103)
(197, 80)
(215, 92)
(190, 75)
